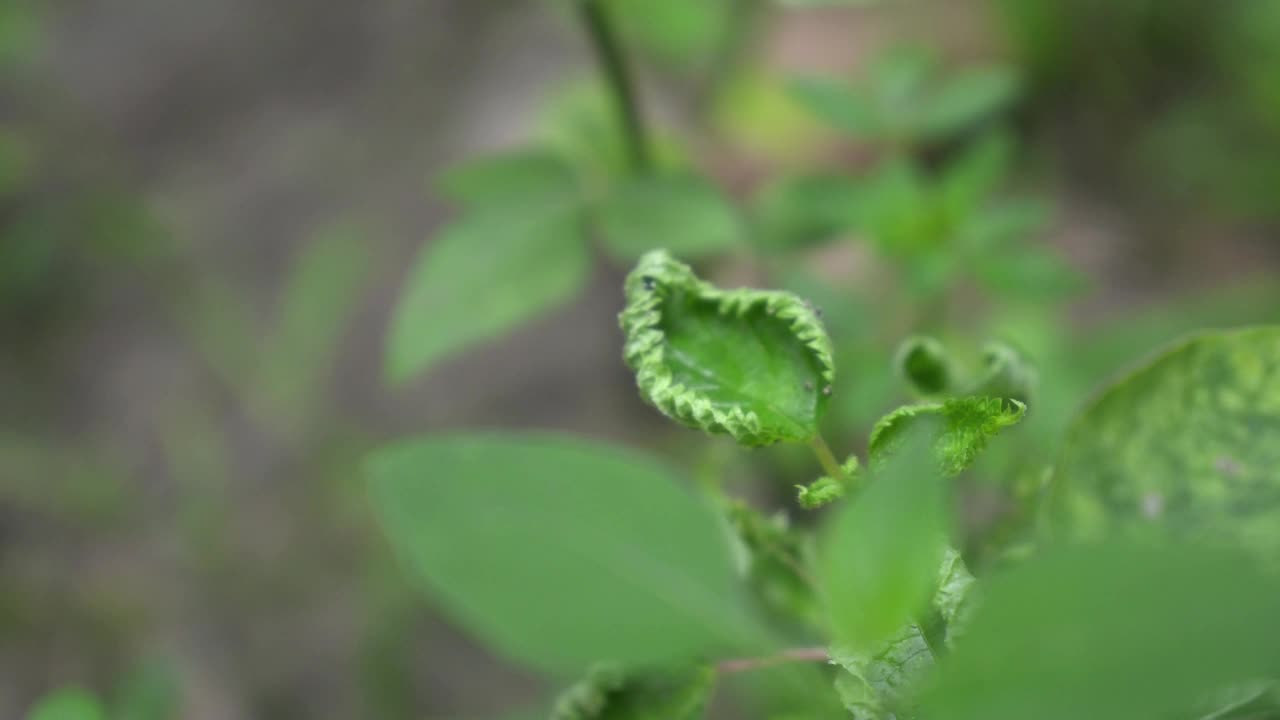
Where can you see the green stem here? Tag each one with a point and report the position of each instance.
(828, 460)
(617, 76)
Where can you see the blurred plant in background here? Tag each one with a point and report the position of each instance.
(906, 191)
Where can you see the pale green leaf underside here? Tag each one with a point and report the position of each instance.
(612, 693)
(482, 276)
(753, 364)
(686, 214)
(967, 424)
(871, 686)
(558, 553)
(1188, 445)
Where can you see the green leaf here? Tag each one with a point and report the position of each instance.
(558, 552)
(525, 177)
(774, 554)
(966, 98)
(611, 693)
(953, 600)
(827, 489)
(1111, 632)
(844, 107)
(799, 211)
(678, 31)
(318, 299)
(872, 685)
(881, 554)
(148, 693)
(925, 366)
(967, 424)
(1185, 446)
(685, 214)
(482, 276)
(752, 364)
(1006, 373)
(67, 704)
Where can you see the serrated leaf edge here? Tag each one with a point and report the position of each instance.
(645, 345)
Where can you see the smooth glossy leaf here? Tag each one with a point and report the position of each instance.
(966, 98)
(872, 685)
(1111, 632)
(67, 704)
(515, 178)
(966, 425)
(558, 552)
(612, 693)
(685, 214)
(753, 364)
(482, 276)
(1185, 446)
(880, 558)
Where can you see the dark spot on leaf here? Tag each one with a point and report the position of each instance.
(649, 282)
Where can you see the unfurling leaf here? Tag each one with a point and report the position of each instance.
(1186, 446)
(827, 489)
(967, 424)
(924, 364)
(558, 553)
(753, 364)
(610, 692)
(1006, 373)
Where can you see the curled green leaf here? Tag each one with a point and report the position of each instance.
(968, 423)
(924, 364)
(1007, 373)
(752, 364)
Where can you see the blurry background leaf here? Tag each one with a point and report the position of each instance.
(843, 106)
(676, 31)
(793, 212)
(1184, 446)
(481, 276)
(67, 704)
(1111, 632)
(685, 214)
(923, 362)
(517, 178)
(319, 298)
(559, 552)
(881, 552)
(965, 98)
(150, 692)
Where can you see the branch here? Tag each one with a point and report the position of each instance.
(617, 76)
(807, 654)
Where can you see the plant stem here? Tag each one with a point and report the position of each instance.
(828, 460)
(806, 654)
(617, 76)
